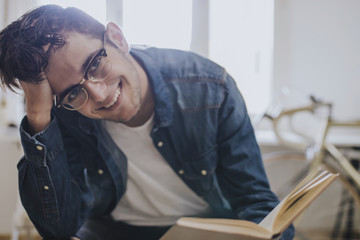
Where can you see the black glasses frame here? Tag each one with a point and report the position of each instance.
(60, 99)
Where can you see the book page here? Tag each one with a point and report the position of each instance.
(269, 220)
(221, 227)
(296, 202)
(272, 225)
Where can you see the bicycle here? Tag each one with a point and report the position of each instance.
(309, 153)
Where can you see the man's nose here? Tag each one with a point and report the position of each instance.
(96, 91)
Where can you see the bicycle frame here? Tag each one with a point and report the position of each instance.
(321, 144)
(338, 157)
(290, 113)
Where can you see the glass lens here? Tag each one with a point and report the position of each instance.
(76, 98)
(99, 68)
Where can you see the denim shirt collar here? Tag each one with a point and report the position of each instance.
(163, 108)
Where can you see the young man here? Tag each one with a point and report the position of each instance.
(136, 137)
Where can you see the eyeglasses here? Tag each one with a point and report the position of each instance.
(98, 69)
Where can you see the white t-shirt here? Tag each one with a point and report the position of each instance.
(155, 194)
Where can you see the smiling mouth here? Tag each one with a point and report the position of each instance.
(116, 96)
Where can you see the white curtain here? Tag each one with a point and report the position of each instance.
(11, 104)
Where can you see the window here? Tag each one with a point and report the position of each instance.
(241, 40)
(160, 23)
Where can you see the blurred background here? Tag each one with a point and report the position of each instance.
(277, 50)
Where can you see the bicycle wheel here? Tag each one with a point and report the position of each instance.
(347, 224)
(333, 215)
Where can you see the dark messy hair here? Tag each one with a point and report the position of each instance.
(22, 56)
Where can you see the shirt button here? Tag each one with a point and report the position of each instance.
(181, 171)
(38, 147)
(100, 171)
(46, 187)
(203, 172)
(160, 144)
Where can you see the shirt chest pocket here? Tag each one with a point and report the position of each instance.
(199, 172)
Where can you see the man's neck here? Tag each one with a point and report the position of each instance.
(145, 112)
(147, 99)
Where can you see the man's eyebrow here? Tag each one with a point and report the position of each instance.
(84, 67)
(87, 61)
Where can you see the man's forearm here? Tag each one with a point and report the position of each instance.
(50, 194)
(37, 122)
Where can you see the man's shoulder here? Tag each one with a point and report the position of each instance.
(178, 64)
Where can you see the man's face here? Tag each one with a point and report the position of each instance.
(118, 97)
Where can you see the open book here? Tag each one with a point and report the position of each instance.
(269, 228)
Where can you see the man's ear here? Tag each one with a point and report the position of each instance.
(114, 33)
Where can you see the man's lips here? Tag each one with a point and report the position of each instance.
(116, 96)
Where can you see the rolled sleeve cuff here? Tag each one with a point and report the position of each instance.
(43, 146)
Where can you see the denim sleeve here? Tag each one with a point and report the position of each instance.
(54, 199)
(241, 173)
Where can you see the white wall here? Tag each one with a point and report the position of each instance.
(11, 152)
(317, 50)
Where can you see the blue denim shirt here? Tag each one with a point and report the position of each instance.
(202, 121)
